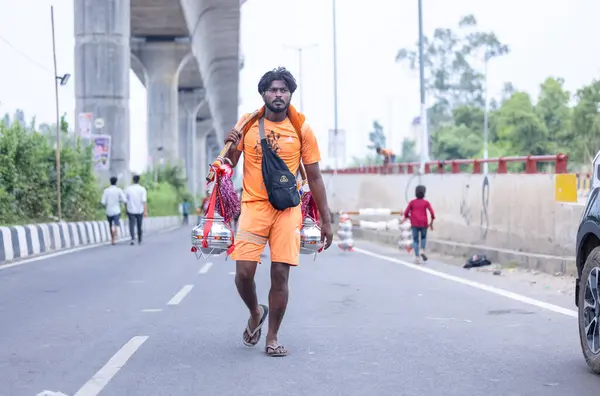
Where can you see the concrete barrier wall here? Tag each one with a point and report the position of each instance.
(513, 211)
(18, 242)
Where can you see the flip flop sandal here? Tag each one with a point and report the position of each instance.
(250, 335)
(276, 350)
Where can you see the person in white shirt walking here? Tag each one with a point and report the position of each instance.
(137, 208)
(112, 198)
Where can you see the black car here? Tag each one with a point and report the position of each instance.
(587, 286)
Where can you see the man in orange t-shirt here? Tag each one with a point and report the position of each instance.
(259, 222)
(388, 155)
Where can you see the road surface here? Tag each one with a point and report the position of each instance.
(152, 320)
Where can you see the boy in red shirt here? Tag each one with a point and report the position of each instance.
(417, 212)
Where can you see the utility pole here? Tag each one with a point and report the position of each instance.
(335, 89)
(424, 126)
(485, 117)
(56, 78)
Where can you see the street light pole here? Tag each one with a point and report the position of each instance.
(300, 50)
(335, 91)
(485, 117)
(56, 78)
(424, 126)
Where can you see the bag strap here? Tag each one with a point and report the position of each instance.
(261, 128)
(261, 134)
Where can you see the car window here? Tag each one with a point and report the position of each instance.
(592, 208)
(596, 171)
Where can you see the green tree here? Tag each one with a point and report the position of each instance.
(518, 123)
(167, 192)
(453, 59)
(449, 58)
(28, 178)
(586, 122)
(507, 90)
(456, 142)
(408, 153)
(553, 109)
(461, 139)
(376, 136)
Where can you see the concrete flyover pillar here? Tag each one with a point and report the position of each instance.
(102, 63)
(203, 157)
(183, 139)
(214, 152)
(211, 145)
(215, 31)
(190, 101)
(163, 59)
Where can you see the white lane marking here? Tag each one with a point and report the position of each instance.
(205, 268)
(177, 298)
(232, 273)
(69, 251)
(152, 310)
(51, 393)
(95, 385)
(477, 285)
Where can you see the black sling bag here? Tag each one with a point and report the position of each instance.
(279, 181)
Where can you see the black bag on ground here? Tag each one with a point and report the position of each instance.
(279, 181)
(478, 260)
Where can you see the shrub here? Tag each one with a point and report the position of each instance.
(28, 178)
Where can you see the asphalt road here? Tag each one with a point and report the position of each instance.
(152, 320)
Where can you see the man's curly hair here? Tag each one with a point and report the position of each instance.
(279, 74)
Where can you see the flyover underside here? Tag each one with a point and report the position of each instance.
(209, 28)
(214, 28)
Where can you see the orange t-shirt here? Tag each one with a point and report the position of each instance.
(386, 152)
(283, 137)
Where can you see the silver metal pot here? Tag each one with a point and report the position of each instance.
(310, 237)
(219, 238)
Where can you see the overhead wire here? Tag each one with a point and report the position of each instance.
(25, 55)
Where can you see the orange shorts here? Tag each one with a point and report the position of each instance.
(260, 223)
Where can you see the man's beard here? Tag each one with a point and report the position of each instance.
(277, 109)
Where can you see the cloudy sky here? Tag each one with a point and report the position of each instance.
(546, 40)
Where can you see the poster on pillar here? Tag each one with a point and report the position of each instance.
(84, 124)
(101, 152)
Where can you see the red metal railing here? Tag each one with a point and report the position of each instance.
(559, 162)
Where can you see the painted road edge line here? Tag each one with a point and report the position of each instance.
(205, 268)
(62, 252)
(95, 385)
(477, 285)
(177, 298)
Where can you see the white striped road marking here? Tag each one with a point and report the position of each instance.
(477, 285)
(177, 298)
(95, 385)
(205, 268)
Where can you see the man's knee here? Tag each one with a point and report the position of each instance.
(280, 273)
(245, 271)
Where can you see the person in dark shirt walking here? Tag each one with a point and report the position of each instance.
(185, 211)
(416, 211)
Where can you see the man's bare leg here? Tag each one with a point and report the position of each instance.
(244, 281)
(278, 299)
